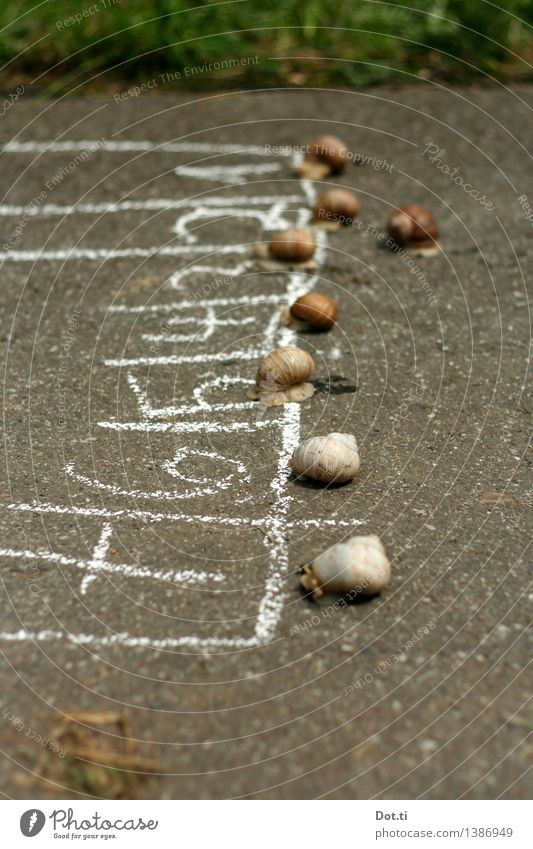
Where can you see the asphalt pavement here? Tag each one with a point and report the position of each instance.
(152, 533)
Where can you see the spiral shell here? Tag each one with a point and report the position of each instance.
(359, 566)
(315, 309)
(329, 459)
(325, 155)
(281, 377)
(329, 150)
(336, 205)
(412, 225)
(294, 245)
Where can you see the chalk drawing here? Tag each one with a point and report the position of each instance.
(222, 382)
(222, 278)
(269, 219)
(171, 468)
(227, 174)
(42, 508)
(209, 322)
(180, 359)
(250, 300)
(95, 145)
(99, 555)
(98, 564)
(149, 205)
(199, 413)
(186, 427)
(103, 254)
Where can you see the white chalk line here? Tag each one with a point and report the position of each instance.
(271, 606)
(184, 427)
(233, 175)
(64, 254)
(126, 640)
(99, 554)
(203, 486)
(126, 569)
(149, 204)
(175, 280)
(201, 407)
(276, 522)
(208, 324)
(130, 146)
(150, 516)
(177, 306)
(179, 359)
(269, 219)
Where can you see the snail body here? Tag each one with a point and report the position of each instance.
(315, 309)
(281, 377)
(325, 155)
(413, 225)
(329, 459)
(336, 207)
(359, 566)
(296, 244)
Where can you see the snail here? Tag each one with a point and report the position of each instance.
(294, 245)
(336, 207)
(413, 226)
(359, 566)
(315, 309)
(329, 459)
(281, 377)
(325, 155)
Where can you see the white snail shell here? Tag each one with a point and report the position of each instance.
(359, 566)
(329, 459)
(281, 377)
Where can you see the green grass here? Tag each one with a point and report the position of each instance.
(318, 42)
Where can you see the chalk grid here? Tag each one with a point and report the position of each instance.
(271, 212)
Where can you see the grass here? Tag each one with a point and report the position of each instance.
(285, 42)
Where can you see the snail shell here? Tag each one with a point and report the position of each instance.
(338, 205)
(329, 150)
(294, 245)
(412, 224)
(359, 566)
(315, 309)
(281, 377)
(325, 155)
(329, 459)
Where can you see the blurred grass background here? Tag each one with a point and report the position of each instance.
(298, 42)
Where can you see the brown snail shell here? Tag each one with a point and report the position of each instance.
(413, 224)
(325, 155)
(315, 309)
(294, 245)
(359, 566)
(330, 150)
(329, 459)
(281, 377)
(336, 205)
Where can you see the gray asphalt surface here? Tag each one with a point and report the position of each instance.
(421, 692)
